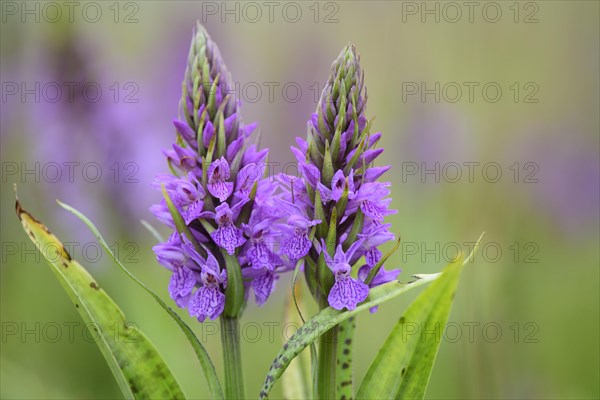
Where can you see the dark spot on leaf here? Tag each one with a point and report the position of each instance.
(285, 346)
(346, 351)
(348, 341)
(94, 286)
(64, 264)
(403, 372)
(133, 386)
(76, 305)
(401, 320)
(346, 383)
(343, 397)
(345, 366)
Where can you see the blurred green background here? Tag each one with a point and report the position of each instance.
(526, 319)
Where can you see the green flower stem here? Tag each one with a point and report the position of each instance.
(327, 366)
(232, 358)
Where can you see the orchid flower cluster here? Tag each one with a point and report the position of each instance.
(217, 191)
(334, 211)
(235, 230)
(338, 193)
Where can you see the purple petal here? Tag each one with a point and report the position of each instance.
(296, 246)
(260, 257)
(347, 293)
(310, 172)
(325, 193)
(228, 237)
(208, 133)
(207, 302)
(181, 285)
(194, 211)
(373, 256)
(263, 285)
(186, 133)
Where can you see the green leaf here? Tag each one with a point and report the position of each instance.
(135, 363)
(203, 357)
(330, 317)
(345, 346)
(403, 365)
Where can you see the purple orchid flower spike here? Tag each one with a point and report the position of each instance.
(335, 165)
(346, 292)
(216, 167)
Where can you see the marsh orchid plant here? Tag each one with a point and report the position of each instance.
(233, 230)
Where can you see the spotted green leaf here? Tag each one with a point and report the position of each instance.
(135, 363)
(327, 319)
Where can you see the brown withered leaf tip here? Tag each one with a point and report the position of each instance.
(20, 211)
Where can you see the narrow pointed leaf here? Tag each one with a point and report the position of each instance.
(330, 317)
(403, 365)
(203, 357)
(135, 363)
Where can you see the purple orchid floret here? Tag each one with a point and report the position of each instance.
(173, 256)
(374, 236)
(298, 244)
(227, 235)
(181, 285)
(339, 183)
(218, 174)
(209, 301)
(263, 283)
(346, 292)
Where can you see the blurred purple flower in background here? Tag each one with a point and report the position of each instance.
(563, 176)
(85, 128)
